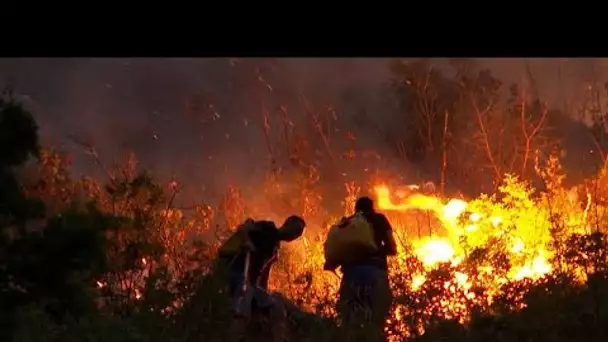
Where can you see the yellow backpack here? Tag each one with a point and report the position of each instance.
(233, 244)
(348, 240)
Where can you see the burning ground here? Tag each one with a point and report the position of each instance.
(121, 257)
(461, 261)
(460, 256)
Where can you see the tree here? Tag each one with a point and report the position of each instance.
(49, 262)
(424, 96)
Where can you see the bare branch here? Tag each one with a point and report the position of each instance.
(89, 149)
(444, 153)
(529, 136)
(266, 132)
(316, 123)
(484, 134)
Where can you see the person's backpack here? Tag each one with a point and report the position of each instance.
(348, 240)
(235, 242)
(232, 245)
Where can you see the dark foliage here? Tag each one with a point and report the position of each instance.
(80, 261)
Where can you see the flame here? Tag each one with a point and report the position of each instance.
(434, 250)
(481, 245)
(539, 267)
(454, 208)
(417, 281)
(518, 247)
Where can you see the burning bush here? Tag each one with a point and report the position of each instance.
(117, 260)
(463, 266)
(485, 256)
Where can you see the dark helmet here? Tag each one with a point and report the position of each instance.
(364, 204)
(292, 228)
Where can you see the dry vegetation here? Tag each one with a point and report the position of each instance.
(521, 257)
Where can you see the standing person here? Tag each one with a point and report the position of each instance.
(364, 292)
(249, 271)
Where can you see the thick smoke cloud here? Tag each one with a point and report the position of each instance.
(200, 118)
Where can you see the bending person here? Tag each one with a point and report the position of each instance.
(249, 269)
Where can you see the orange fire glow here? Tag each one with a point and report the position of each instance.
(459, 252)
(434, 249)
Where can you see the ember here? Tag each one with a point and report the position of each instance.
(483, 245)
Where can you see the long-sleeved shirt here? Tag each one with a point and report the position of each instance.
(265, 240)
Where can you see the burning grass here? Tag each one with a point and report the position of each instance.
(520, 263)
(456, 256)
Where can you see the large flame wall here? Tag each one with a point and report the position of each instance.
(433, 232)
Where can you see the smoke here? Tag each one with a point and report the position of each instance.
(199, 119)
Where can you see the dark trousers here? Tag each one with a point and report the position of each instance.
(365, 297)
(254, 305)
